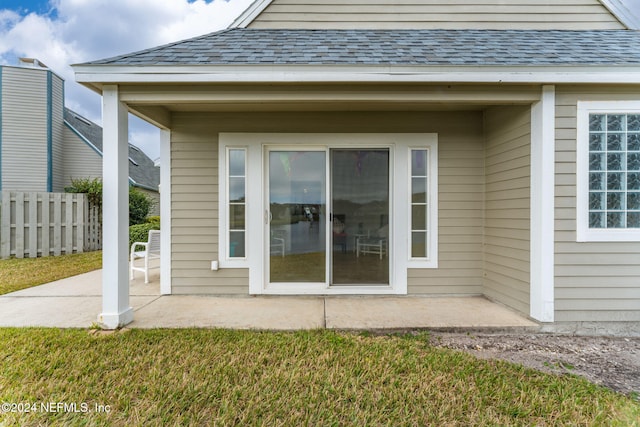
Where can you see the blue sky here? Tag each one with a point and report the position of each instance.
(64, 32)
(26, 5)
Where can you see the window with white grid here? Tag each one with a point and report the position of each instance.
(614, 170)
(609, 197)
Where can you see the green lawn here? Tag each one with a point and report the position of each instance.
(221, 377)
(16, 274)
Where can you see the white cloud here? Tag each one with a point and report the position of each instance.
(84, 30)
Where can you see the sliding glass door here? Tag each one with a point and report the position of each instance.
(360, 206)
(340, 243)
(297, 216)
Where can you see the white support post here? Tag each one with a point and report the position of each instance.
(116, 311)
(165, 212)
(542, 206)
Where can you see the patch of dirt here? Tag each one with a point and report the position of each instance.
(612, 362)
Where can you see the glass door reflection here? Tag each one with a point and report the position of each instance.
(297, 206)
(360, 223)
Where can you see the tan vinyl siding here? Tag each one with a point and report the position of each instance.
(194, 182)
(194, 210)
(460, 213)
(432, 14)
(507, 206)
(24, 129)
(57, 130)
(594, 281)
(80, 160)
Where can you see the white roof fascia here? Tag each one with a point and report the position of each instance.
(250, 14)
(95, 75)
(622, 13)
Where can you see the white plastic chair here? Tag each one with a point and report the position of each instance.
(151, 251)
(373, 244)
(277, 243)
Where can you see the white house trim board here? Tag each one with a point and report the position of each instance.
(165, 212)
(116, 310)
(250, 14)
(542, 206)
(100, 74)
(622, 13)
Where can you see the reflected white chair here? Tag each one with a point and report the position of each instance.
(277, 244)
(151, 250)
(373, 244)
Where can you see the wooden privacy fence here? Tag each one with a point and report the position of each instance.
(37, 224)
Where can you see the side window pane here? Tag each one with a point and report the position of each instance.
(418, 163)
(236, 244)
(418, 244)
(236, 217)
(419, 221)
(236, 202)
(419, 217)
(236, 162)
(236, 189)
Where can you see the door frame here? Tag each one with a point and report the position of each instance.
(327, 286)
(399, 145)
(291, 287)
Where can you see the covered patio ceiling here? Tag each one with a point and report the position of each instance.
(156, 102)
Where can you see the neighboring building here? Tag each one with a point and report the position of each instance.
(83, 156)
(408, 148)
(43, 145)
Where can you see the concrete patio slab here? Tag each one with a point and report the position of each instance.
(56, 312)
(274, 313)
(89, 284)
(420, 312)
(74, 302)
(77, 301)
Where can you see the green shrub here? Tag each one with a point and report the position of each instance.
(91, 187)
(139, 206)
(153, 220)
(140, 232)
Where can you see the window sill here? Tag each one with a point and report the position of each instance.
(618, 235)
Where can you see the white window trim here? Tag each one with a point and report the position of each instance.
(583, 232)
(225, 261)
(431, 260)
(399, 144)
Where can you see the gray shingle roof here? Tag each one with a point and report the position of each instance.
(241, 46)
(143, 172)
